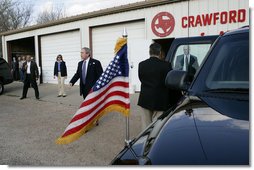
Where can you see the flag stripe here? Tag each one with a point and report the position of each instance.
(111, 99)
(124, 80)
(74, 136)
(117, 86)
(88, 107)
(123, 85)
(87, 110)
(84, 122)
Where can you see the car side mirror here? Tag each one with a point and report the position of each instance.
(177, 80)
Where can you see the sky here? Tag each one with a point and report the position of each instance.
(74, 7)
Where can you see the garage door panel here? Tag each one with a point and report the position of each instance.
(57, 48)
(104, 39)
(58, 45)
(68, 45)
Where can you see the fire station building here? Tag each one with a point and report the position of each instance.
(152, 20)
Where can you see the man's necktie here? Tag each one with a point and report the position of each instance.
(186, 63)
(84, 72)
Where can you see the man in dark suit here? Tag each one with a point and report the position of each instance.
(187, 62)
(154, 95)
(88, 71)
(31, 74)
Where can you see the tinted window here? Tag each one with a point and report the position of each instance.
(230, 69)
(199, 51)
(5, 69)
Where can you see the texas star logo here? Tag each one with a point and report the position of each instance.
(163, 24)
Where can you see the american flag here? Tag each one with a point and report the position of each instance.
(109, 94)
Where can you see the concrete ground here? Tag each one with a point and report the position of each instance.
(29, 128)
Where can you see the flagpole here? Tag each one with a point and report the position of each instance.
(127, 131)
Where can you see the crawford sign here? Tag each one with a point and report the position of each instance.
(163, 23)
(224, 17)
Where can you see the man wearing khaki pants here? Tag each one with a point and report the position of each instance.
(154, 95)
(60, 71)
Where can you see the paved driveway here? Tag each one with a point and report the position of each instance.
(28, 129)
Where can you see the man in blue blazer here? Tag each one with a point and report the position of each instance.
(88, 71)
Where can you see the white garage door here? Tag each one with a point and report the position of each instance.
(68, 45)
(104, 39)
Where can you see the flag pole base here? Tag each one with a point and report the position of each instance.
(127, 142)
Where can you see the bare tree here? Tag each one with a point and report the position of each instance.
(54, 13)
(14, 15)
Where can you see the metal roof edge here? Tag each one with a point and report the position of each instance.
(108, 11)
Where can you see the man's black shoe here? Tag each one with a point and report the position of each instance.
(97, 123)
(37, 98)
(22, 98)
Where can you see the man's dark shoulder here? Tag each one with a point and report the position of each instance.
(165, 64)
(143, 64)
(94, 60)
(161, 62)
(33, 62)
(145, 61)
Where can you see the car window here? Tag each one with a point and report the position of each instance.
(4, 69)
(190, 57)
(231, 68)
(196, 52)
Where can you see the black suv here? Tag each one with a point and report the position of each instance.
(210, 124)
(5, 74)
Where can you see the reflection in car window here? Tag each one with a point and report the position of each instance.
(197, 50)
(230, 70)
